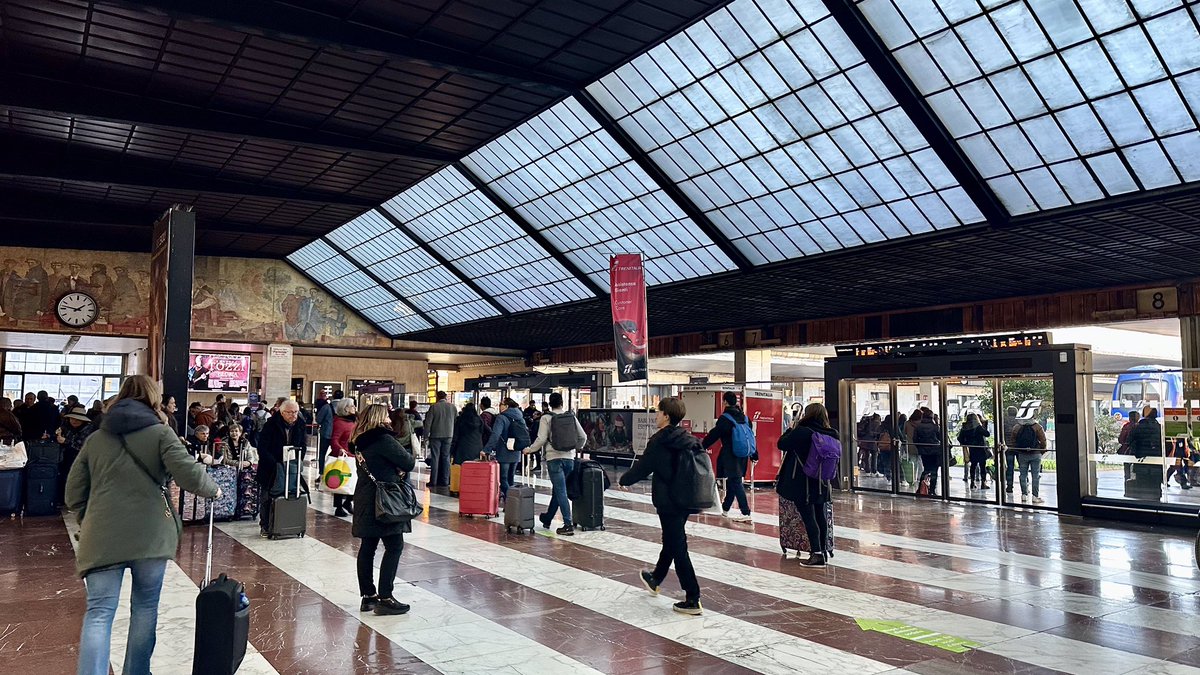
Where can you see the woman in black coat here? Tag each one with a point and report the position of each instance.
(387, 460)
(468, 436)
(809, 494)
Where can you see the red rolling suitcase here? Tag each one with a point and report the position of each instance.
(479, 489)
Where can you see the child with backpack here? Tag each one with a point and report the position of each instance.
(682, 485)
(812, 454)
(738, 448)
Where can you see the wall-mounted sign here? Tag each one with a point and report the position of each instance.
(219, 372)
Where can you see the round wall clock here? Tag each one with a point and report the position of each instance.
(77, 309)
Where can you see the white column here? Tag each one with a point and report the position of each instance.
(752, 365)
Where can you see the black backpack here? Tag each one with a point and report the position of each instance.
(693, 482)
(1026, 439)
(562, 432)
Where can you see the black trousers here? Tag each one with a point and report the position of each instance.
(393, 546)
(264, 507)
(674, 550)
(815, 524)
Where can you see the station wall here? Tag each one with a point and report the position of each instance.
(233, 299)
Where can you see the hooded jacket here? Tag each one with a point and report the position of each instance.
(508, 424)
(121, 511)
(792, 483)
(468, 438)
(728, 464)
(660, 460)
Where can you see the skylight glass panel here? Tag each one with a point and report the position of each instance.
(483, 243)
(769, 119)
(345, 281)
(410, 271)
(1057, 102)
(568, 176)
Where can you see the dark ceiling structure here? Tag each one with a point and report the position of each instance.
(460, 171)
(278, 121)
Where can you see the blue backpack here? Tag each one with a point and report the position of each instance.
(744, 444)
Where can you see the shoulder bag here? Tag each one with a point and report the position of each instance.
(394, 502)
(168, 511)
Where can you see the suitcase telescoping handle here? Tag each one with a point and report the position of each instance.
(208, 553)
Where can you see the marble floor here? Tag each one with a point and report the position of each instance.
(917, 587)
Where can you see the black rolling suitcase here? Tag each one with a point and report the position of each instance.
(41, 489)
(222, 621)
(289, 510)
(588, 509)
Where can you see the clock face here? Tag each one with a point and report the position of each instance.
(77, 309)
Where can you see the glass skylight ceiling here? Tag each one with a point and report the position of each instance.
(770, 120)
(1057, 102)
(471, 232)
(569, 177)
(376, 244)
(341, 278)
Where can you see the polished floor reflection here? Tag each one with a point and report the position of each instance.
(915, 586)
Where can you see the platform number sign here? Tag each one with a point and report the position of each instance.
(1157, 301)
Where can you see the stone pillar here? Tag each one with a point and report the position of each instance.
(925, 389)
(752, 365)
(277, 373)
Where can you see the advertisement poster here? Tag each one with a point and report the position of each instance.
(609, 432)
(219, 372)
(764, 408)
(644, 426)
(156, 324)
(627, 281)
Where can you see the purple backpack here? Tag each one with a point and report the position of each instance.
(823, 457)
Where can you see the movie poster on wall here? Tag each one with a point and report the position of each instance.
(219, 372)
(627, 283)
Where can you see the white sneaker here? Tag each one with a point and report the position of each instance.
(739, 518)
(724, 514)
(1038, 500)
(1024, 498)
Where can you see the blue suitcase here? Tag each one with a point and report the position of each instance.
(12, 490)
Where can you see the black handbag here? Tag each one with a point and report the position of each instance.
(394, 502)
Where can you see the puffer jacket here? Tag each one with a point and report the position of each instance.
(388, 461)
(121, 511)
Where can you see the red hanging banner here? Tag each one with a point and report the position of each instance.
(627, 281)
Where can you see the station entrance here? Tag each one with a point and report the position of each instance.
(980, 397)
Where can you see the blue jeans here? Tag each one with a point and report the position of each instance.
(508, 476)
(1030, 462)
(559, 470)
(103, 593)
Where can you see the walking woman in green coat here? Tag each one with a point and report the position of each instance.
(125, 520)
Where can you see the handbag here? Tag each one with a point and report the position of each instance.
(337, 476)
(394, 502)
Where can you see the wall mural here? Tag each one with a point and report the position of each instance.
(233, 299)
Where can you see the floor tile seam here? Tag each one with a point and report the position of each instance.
(443, 560)
(1162, 586)
(965, 551)
(1015, 625)
(1144, 661)
(898, 569)
(370, 619)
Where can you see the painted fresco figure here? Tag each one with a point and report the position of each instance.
(23, 295)
(126, 300)
(310, 317)
(290, 306)
(72, 282)
(102, 286)
(206, 308)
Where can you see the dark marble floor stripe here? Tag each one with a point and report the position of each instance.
(293, 627)
(825, 628)
(593, 639)
(42, 601)
(1144, 641)
(1097, 588)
